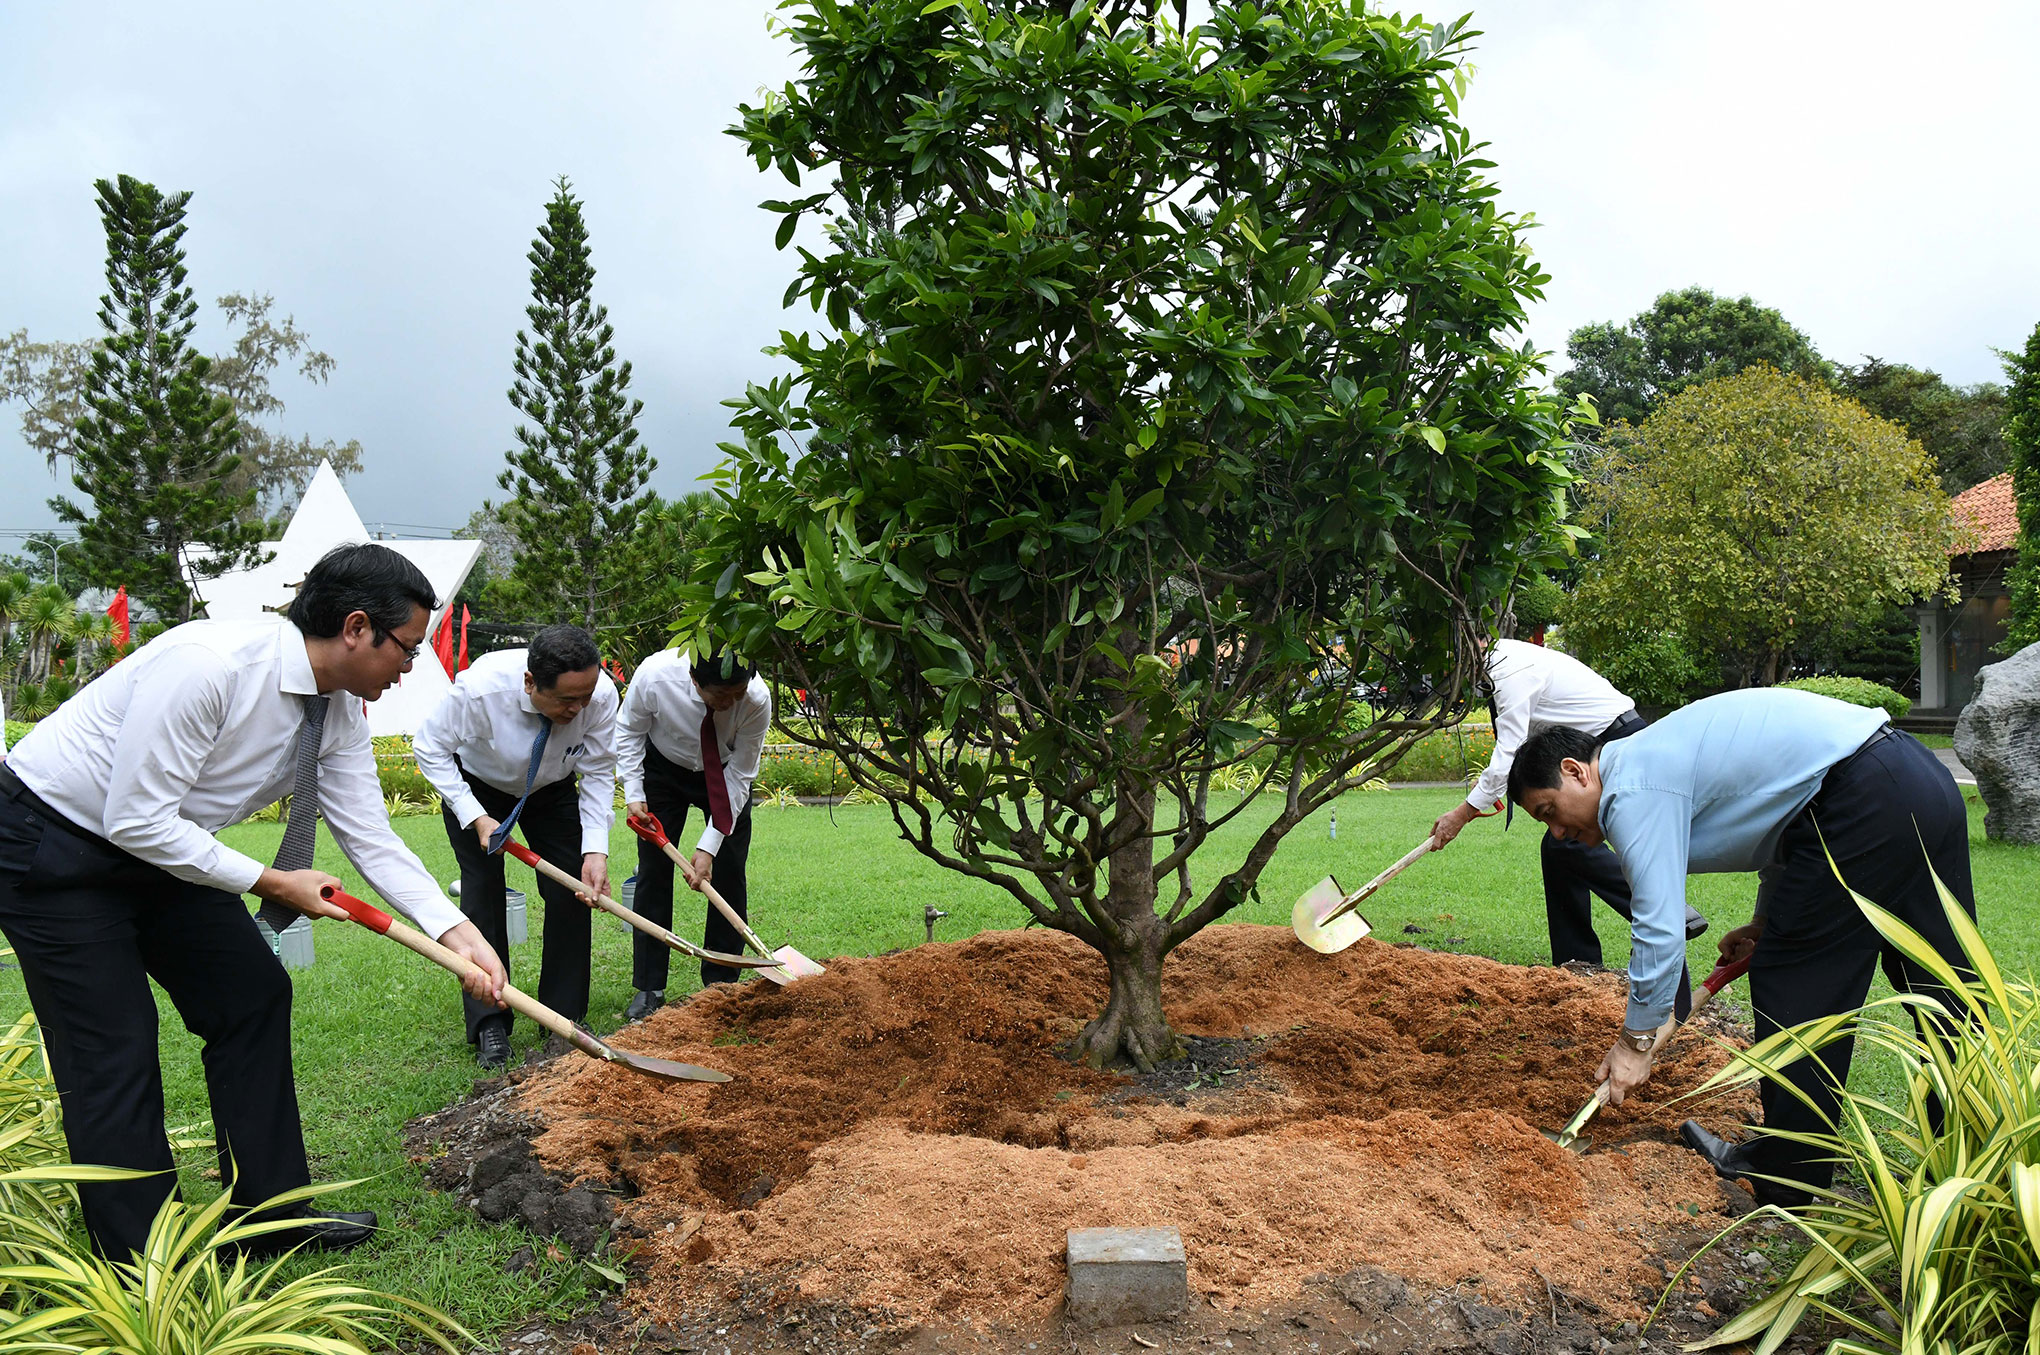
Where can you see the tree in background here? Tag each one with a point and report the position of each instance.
(1165, 372)
(2022, 440)
(1961, 426)
(1685, 338)
(49, 381)
(157, 451)
(1756, 516)
(578, 474)
(658, 556)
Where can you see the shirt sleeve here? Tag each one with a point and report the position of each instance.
(633, 723)
(1515, 700)
(1651, 830)
(740, 769)
(436, 745)
(598, 783)
(350, 798)
(172, 724)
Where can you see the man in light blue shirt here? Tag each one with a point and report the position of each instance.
(1764, 780)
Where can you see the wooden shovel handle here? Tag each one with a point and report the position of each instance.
(376, 920)
(648, 827)
(1723, 975)
(1358, 896)
(602, 901)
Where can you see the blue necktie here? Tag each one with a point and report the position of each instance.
(502, 833)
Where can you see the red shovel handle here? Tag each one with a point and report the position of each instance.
(648, 827)
(367, 914)
(523, 853)
(1725, 974)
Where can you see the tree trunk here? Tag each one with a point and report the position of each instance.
(1132, 1028)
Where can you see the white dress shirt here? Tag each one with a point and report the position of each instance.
(1536, 685)
(198, 729)
(488, 723)
(663, 706)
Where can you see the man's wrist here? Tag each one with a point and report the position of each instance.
(1639, 1041)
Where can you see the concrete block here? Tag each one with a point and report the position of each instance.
(1122, 1275)
(513, 916)
(294, 946)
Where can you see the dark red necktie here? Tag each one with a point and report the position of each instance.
(711, 772)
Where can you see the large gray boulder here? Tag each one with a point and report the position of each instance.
(1998, 739)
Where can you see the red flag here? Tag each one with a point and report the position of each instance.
(463, 636)
(118, 610)
(442, 642)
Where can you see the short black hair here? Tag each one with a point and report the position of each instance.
(361, 578)
(722, 669)
(1536, 764)
(557, 650)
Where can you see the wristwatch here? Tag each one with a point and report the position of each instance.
(1642, 1041)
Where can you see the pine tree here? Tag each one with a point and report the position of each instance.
(155, 452)
(578, 473)
(2022, 439)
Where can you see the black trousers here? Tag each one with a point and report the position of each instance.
(1574, 874)
(91, 926)
(1876, 810)
(670, 791)
(551, 824)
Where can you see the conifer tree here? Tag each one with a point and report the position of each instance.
(2022, 437)
(156, 451)
(578, 473)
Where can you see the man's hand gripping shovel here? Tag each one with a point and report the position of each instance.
(381, 923)
(1570, 1137)
(785, 965)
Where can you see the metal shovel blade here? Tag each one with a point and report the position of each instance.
(789, 964)
(588, 1042)
(1306, 919)
(1572, 1143)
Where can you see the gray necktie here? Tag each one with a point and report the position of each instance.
(301, 833)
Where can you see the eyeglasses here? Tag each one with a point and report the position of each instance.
(411, 652)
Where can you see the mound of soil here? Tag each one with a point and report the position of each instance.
(902, 1137)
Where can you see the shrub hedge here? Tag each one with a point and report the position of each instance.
(1855, 691)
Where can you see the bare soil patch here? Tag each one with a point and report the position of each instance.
(903, 1149)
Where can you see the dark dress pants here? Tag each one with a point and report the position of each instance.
(670, 791)
(1574, 874)
(91, 926)
(1876, 810)
(551, 826)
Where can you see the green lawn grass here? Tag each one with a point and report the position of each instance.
(378, 1031)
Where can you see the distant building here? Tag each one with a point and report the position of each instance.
(1958, 639)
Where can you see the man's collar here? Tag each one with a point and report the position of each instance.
(294, 671)
(524, 700)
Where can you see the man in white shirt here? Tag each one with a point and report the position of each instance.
(110, 875)
(526, 740)
(691, 734)
(1533, 685)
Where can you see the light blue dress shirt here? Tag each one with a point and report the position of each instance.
(1709, 789)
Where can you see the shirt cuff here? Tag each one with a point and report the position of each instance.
(633, 791)
(711, 841)
(595, 841)
(236, 873)
(1641, 1016)
(466, 808)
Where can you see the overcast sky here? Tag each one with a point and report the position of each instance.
(1864, 167)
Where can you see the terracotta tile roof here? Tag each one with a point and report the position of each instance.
(1991, 507)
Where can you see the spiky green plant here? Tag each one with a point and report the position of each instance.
(190, 1292)
(1944, 1242)
(31, 1137)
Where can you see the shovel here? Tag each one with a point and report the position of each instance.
(787, 964)
(376, 920)
(1570, 1136)
(1324, 918)
(611, 906)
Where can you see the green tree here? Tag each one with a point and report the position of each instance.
(48, 379)
(578, 473)
(1685, 338)
(2022, 440)
(1758, 515)
(1962, 426)
(657, 558)
(157, 452)
(1166, 372)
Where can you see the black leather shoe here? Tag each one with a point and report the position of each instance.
(1696, 922)
(492, 1045)
(644, 1004)
(322, 1230)
(1731, 1162)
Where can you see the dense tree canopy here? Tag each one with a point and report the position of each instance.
(1755, 515)
(2022, 438)
(1962, 427)
(1685, 338)
(1166, 404)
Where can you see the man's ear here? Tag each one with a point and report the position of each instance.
(1572, 769)
(357, 628)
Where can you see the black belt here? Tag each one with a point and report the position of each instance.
(1884, 731)
(1623, 725)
